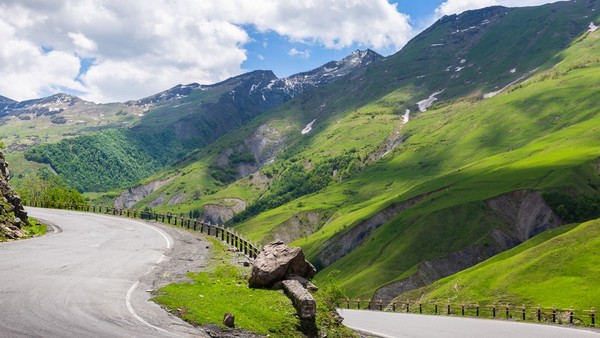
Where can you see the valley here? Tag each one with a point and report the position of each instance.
(392, 173)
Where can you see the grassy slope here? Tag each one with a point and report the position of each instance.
(559, 267)
(542, 135)
(362, 111)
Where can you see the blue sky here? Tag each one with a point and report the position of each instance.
(114, 50)
(271, 51)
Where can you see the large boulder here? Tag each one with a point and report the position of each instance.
(276, 262)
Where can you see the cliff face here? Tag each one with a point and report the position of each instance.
(12, 214)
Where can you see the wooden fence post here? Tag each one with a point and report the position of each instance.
(553, 314)
(571, 315)
(593, 315)
(539, 313)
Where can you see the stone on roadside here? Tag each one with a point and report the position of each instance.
(275, 262)
(229, 320)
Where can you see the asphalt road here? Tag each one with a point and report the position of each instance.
(91, 277)
(399, 325)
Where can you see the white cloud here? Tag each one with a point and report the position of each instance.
(139, 49)
(82, 42)
(303, 54)
(458, 6)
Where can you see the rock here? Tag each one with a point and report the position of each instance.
(304, 282)
(275, 262)
(228, 320)
(12, 213)
(303, 301)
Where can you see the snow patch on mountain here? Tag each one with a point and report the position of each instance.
(308, 127)
(425, 104)
(492, 94)
(406, 116)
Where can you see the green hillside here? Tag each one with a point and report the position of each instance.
(387, 191)
(559, 267)
(381, 201)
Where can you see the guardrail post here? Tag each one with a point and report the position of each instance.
(507, 311)
(593, 315)
(539, 313)
(348, 300)
(553, 314)
(393, 306)
(477, 310)
(436, 309)
(462, 309)
(358, 303)
(448, 309)
(407, 306)
(380, 303)
(494, 311)
(420, 308)
(571, 315)
(369, 305)
(523, 312)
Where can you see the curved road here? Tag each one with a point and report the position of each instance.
(90, 277)
(402, 325)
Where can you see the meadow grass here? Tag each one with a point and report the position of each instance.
(223, 288)
(559, 267)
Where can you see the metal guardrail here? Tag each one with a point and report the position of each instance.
(580, 317)
(220, 232)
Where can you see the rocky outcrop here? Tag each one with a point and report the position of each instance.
(131, 196)
(12, 214)
(276, 262)
(524, 212)
(301, 224)
(221, 213)
(340, 246)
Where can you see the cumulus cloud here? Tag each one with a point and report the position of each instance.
(82, 42)
(303, 54)
(458, 6)
(138, 50)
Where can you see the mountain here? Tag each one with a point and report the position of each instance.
(479, 134)
(165, 127)
(418, 165)
(4, 102)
